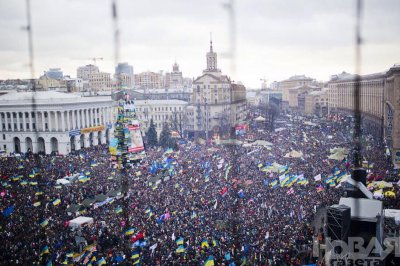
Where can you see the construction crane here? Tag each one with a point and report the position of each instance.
(94, 59)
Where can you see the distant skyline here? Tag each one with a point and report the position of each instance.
(275, 39)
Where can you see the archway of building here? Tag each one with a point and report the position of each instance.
(72, 143)
(54, 144)
(17, 145)
(82, 141)
(91, 139)
(28, 144)
(99, 137)
(41, 145)
(107, 136)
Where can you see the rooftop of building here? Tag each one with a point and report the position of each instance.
(344, 76)
(215, 75)
(46, 97)
(160, 102)
(309, 86)
(159, 91)
(298, 77)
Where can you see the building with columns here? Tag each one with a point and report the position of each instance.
(217, 104)
(379, 104)
(51, 121)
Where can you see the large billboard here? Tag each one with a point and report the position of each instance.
(134, 137)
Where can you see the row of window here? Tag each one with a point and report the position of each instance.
(159, 109)
(34, 125)
(155, 117)
(21, 126)
(19, 114)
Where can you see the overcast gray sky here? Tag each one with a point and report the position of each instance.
(275, 39)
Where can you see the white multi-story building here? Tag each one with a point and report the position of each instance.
(161, 111)
(53, 122)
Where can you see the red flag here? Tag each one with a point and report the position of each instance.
(66, 224)
(137, 237)
(223, 191)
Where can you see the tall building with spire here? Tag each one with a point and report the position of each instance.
(217, 103)
(211, 61)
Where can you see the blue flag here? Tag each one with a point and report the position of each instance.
(7, 212)
(119, 259)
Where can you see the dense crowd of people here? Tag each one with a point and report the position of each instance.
(192, 206)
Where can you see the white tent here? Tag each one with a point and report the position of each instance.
(262, 143)
(72, 177)
(80, 221)
(229, 141)
(294, 154)
(309, 123)
(259, 142)
(259, 119)
(279, 129)
(63, 181)
(338, 154)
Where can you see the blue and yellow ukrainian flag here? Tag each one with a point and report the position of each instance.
(180, 249)
(179, 241)
(284, 181)
(44, 250)
(118, 210)
(130, 231)
(44, 223)
(205, 244)
(274, 183)
(214, 242)
(209, 261)
(101, 261)
(56, 202)
(135, 254)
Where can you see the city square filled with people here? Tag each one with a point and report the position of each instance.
(198, 204)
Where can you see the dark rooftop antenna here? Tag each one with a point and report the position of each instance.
(230, 7)
(30, 42)
(116, 41)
